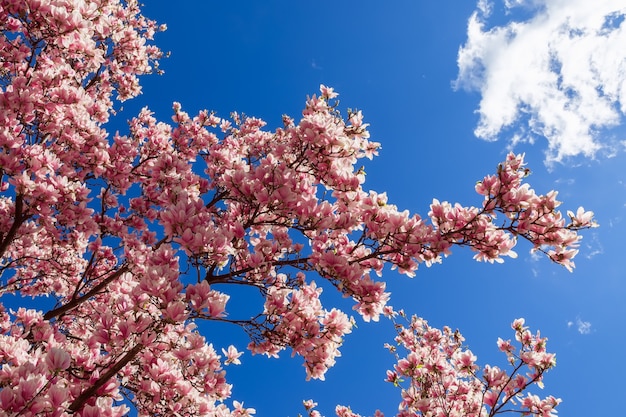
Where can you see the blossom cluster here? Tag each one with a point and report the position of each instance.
(439, 376)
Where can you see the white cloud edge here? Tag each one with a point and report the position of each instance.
(559, 74)
(582, 327)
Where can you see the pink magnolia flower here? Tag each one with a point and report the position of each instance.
(327, 92)
(240, 411)
(57, 359)
(582, 218)
(232, 355)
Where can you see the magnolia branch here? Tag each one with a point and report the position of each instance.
(84, 396)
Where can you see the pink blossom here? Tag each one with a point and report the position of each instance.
(327, 92)
(240, 411)
(57, 359)
(582, 218)
(232, 355)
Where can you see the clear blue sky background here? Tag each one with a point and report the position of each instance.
(397, 62)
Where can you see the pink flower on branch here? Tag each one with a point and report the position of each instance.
(439, 375)
(232, 355)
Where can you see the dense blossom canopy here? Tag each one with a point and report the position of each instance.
(130, 235)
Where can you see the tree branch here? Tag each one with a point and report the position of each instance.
(75, 302)
(17, 222)
(84, 396)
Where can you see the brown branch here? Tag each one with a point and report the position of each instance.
(226, 278)
(17, 222)
(96, 78)
(75, 302)
(84, 396)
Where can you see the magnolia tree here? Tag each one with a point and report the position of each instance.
(131, 234)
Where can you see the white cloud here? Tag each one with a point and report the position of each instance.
(583, 327)
(594, 247)
(536, 256)
(485, 7)
(558, 73)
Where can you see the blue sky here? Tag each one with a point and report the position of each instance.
(544, 77)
